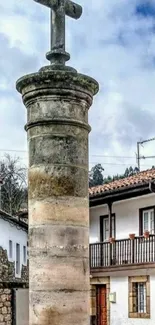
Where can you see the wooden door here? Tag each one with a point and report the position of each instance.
(101, 305)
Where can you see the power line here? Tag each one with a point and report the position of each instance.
(13, 150)
(115, 164)
(91, 162)
(106, 156)
(96, 162)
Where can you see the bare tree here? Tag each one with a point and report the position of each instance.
(13, 179)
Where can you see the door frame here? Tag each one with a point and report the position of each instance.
(96, 281)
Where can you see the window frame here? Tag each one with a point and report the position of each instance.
(141, 211)
(10, 257)
(131, 293)
(17, 262)
(24, 255)
(102, 218)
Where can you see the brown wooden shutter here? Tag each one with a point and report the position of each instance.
(140, 222)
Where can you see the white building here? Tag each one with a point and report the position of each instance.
(13, 270)
(122, 251)
(13, 241)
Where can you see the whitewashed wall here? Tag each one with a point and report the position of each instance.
(127, 216)
(10, 232)
(119, 310)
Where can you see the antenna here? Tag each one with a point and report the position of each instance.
(139, 157)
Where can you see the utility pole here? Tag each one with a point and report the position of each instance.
(139, 157)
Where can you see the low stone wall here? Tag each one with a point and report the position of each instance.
(5, 307)
(8, 282)
(7, 270)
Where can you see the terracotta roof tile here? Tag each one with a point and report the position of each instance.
(138, 179)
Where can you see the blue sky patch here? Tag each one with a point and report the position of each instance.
(146, 9)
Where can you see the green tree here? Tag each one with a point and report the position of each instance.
(131, 171)
(96, 176)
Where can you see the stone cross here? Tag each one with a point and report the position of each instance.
(59, 9)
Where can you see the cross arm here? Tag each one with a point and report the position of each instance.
(72, 9)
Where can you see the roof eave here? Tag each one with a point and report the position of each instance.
(9, 218)
(119, 194)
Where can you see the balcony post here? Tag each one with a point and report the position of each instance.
(110, 218)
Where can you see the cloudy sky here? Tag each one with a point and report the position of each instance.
(114, 42)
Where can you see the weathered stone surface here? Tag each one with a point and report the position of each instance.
(73, 212)
(58, 55)
(5, 307)
(57, 83)
(4, 310)
(7, 318)
(3, 297)
(7, 278)
(57, 105)
(61, 307)
(1, 317)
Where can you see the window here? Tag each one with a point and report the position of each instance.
(10, 249)
(147, 220)
(17, 259)
(24, 254)
(104, 227)
(139, 297)
(139, 290)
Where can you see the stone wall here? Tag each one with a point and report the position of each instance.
(7, 283)
(5, 307)
(7, 270)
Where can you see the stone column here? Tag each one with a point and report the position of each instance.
(57, 105)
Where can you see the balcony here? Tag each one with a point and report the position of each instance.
(139, 250)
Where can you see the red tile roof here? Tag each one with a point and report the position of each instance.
(141, 178)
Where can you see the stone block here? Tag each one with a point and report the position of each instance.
(3, 298)
(4, 310)
(7, 291)
(9, 310)
(7, 318)
(1, 318)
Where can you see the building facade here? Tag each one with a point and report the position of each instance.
(13, 266)
(122, 251)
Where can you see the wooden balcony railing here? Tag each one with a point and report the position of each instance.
(124, 251)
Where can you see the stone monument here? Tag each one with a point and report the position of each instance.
(57, 99)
